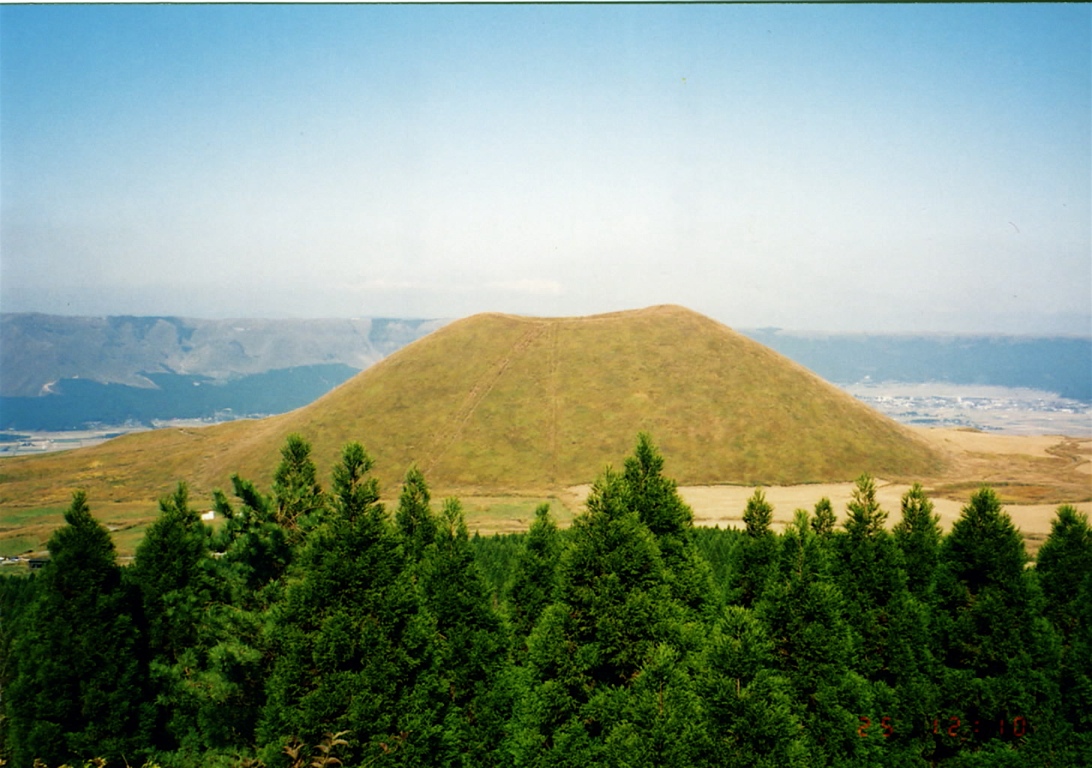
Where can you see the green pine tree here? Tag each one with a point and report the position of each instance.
(813, 648)
(535, 578)
(469, 644)
(254, 549)
(652, 496)
(350, 642)
(865, 516)
(890, 627)
(748, 704)
(918, 537)
(1064, 570)
(758, 515)
(655, 499)
(414, 517)
(221, 678)
(657, 722)
(1076, 674)
(997, 649)
(17, 595)
(297, 495)
(79, 689)
(754, 561)
(823, 521)
(613, 610)
(174, 573)
(1062, 564)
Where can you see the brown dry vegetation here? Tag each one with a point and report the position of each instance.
(507, 411)
(1055, 468)
(1033, 476)
(1023, 470)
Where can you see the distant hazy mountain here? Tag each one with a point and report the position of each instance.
(1062, 365)
(37, 351)
(59, 373)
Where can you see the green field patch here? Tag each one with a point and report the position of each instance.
(509, 514)
(28, 530)
(19, 518)
(18, 545)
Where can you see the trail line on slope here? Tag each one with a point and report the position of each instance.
(479, 392)
(553, 388)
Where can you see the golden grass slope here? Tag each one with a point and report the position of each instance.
(505, 403)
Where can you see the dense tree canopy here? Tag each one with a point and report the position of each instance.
(311, 627)
(77, 685)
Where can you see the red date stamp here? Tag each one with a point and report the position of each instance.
(885, 724)
(1015, 728)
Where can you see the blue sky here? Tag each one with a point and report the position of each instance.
(865, 168)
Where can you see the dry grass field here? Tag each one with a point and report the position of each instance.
(1032, 474)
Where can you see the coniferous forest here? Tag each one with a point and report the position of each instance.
(316, 627)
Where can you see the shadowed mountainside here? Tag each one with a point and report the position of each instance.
(500, 402)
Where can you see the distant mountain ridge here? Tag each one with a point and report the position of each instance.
(1058, 364)
(38, 350)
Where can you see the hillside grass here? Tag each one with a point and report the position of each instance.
(497, 402)
(504, 406)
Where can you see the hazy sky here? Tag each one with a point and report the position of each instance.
(887, 167)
